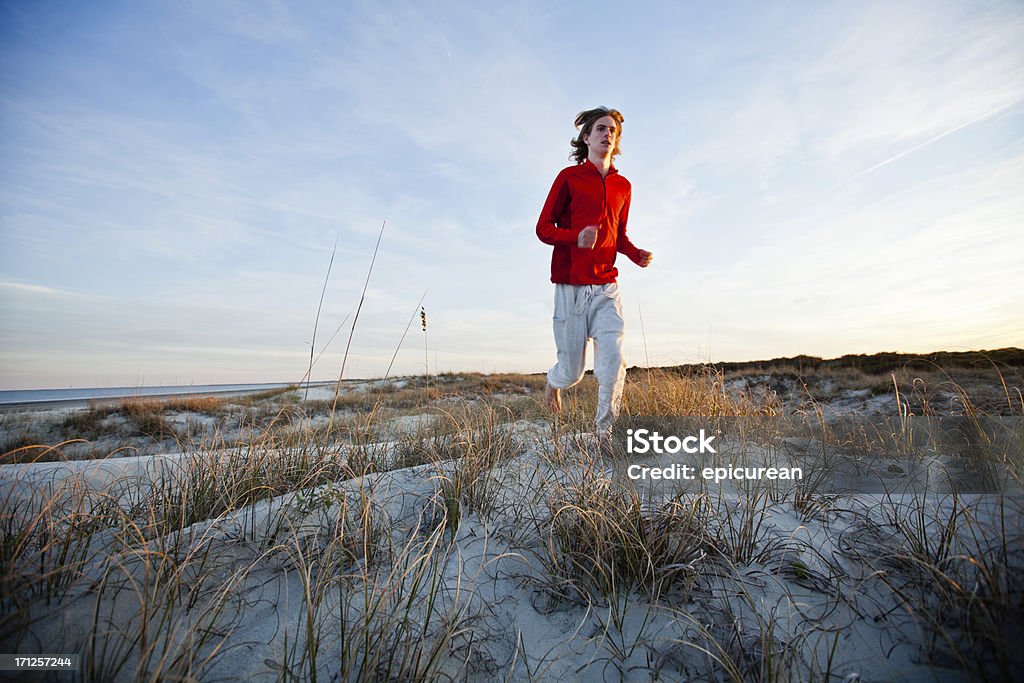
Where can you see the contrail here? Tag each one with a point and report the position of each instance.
(445, 41)
(927, 142)
(807, 199)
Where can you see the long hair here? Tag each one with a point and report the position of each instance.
(585, 121)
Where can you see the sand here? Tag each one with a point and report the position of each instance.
(818, 591)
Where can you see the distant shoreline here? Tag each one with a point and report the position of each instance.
(883, 362)
(29, 399)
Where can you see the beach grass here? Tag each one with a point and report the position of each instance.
(457, 531)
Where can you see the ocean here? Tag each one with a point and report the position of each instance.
(71, 398)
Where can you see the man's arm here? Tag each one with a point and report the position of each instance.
(623, 244)
(548, 229)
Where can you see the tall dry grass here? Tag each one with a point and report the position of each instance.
(159, 577)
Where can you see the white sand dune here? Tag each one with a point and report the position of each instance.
(379, 575)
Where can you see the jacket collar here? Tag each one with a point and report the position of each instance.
(611, 169)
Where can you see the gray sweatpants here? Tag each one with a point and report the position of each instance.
(584, 312)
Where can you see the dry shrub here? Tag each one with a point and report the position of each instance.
(479, 444)
(27, 449)
(703, 392)
(606, 540)
(956, 566)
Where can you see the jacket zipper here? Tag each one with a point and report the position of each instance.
(604, 204)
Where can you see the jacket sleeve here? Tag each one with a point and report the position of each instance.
(555, 206)
(622, 243)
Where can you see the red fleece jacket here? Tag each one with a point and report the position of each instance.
(579, 197)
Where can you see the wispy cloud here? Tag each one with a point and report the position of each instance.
(21, 288)
(800, 172)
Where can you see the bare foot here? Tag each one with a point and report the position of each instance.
(553, 397)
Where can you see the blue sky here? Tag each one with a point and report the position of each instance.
(818, 178)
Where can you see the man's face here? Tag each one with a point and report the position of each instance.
(602, 137)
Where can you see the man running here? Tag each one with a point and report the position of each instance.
(584, 219)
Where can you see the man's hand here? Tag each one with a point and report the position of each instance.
(645, 258)
(587, 238)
